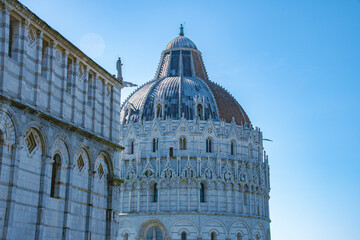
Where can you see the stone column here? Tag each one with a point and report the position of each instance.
(218, 197)
(178, 197)
(111, 223)
(158, 199)
(138, 197)
(22, 56)
(168, 195)
(37, 69)
(243, 201)
(250, 203)
(93, 90)
(122, 198)
(198, 167)
(68, 202)
(112, 113)
(130, 196)
(52, 52)
(63, 83)
(189, 195)
(73, 91)
(227, 198)
(102, 132)
(84, 95)
(4, 46)
(11, 193)
(198, 198)
(90, 200)
(235, 200)
(41, 208)
(147, 198)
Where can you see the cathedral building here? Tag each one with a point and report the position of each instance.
(193, 167)
(179, 159)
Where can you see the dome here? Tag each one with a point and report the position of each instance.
(181, 42)
(181, 88)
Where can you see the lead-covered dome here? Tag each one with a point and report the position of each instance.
(181, 42)
(181, 88)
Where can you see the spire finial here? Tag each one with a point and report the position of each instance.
(181, 30)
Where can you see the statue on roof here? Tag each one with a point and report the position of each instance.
(181, 30)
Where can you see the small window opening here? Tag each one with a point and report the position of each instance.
(213, 236)
(239, 236)
(199, 111)
(159, 111)
(202, 192)
(232, 148)
(55, 176)
(155, 199)
(132, 147)
(155, 144)
(208, 145)
(183, 236)
(126, 236)
(171, 152)
(182, 143)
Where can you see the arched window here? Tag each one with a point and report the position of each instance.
(183, 236)
(155, 144)
(154, 233)
(199, 111)
(239, 236)
(202, 192)
(132, 147)
(126, 236)
(182, 143)
(232, 147)
(159, 111)
(208, 145)
(55, 176)
(213, 236)
(155, 199)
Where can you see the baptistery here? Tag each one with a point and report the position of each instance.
(193, 167)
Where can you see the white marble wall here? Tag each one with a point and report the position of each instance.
(38, 73)
(196, 226)
(48, 108)
(236, 184)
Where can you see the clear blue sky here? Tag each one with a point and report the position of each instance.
(294, 66)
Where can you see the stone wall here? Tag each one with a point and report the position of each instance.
(227, 185)
(59, 132)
